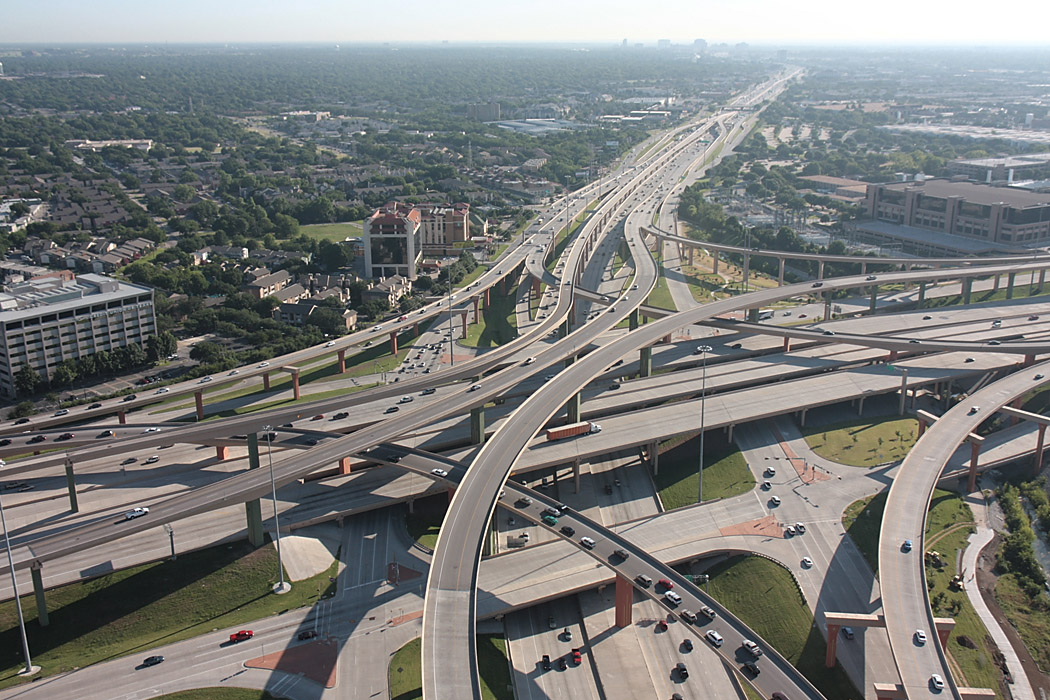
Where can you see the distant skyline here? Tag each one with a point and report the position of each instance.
(811, 22)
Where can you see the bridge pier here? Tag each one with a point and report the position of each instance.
(874, 294)
(632, 319)
(1010, 285)
(576, 475)
(975, 451)
(415, 328)
(71, 486)
(253, 508)
(860, 406)
(393, 342)
(833, 643)
(573, 408)
(477, 425)
(995, 284)
(477, 309)
(344, 465)
(1029, 360)
(624, 601)
(890, 691)
(1042, 278)
(266, 381)
(38, 592)
(198, 400)
(967, 289)
(746, 270)
(463, 319)
(714, 265)
(780, 274)
(1039, 450)
(488, 303)
(827, 306)
(645, 362)
(122, 417)
(944, 626)
(342, 362)
(752, 315)
(222, 452)
(802, 418)
(691, 250)
(922, 295)
(787, 344)
(820, 269)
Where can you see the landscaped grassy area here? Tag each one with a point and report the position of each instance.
(219, 694)
(1031, 620)
(864, 442)
(765, 597)
(134, 610)
(405, 673)
(333, 232)
(947, 528)
(725, 471)
(498, 323)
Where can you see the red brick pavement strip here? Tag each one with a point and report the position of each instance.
(806, 473)
(407, 617)
(315, 661)
(766, 527)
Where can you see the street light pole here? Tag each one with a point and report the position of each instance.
(30, 668)
(704, 349)
(283, 586)
(451, 331)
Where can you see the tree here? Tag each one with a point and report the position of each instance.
(207, 352)
(23, 409)
(161, 345)
(375, 308)
(333, 256)
(26, 380)
(65, 373)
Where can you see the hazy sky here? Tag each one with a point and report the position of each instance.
(756, 21)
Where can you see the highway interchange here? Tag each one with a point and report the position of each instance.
(450, 603)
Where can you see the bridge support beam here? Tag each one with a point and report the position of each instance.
(645, 362)
(344, 465)
(122, 417)
(967, 289)
(393, 342)
(922, 295)
(463, 319)
(787, 344)
(691, 250)
(477, 309)
(827, 306)
(38, 592)
(874, 298)
(714, 264)
(477, 425)
(71, 486)
(1039, 445)
(780, 274)
(573, 408)
(266, 381)
(624, 601)
(833, 643)
(890, 691)
(654, 456)
(1010, 285)
(820, 269)
(295, 384)
(1042, 278)
(222, 452)
(995, 284)
(576, 475)
(944, 630)
(746, 270)
(860, 406)
(488, 302)
(342, 362)
(198, 401)
(752, 315)
(632, 319)
(253, 508)
(975, 451)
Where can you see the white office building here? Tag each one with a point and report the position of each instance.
(46, 321)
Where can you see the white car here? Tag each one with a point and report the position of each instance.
(152, 460)
(135, 513)
(937, 682)
(775, 500)
(152, 430)
(163, 390)
(233, 372)
(474, 387)
(530, 360)
(329, 344)
(405, 399)
(672, 598)
(752, 648)
(714, 637)
(204, 380)
(807, 562)
(439, 472)
(920, 637)
(263, 364)
(377, 328)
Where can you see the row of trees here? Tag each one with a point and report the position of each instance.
(101, 364)
(1017, 556)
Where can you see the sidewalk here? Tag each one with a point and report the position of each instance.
(1021, 688)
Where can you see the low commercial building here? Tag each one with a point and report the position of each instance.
(49, 320)
(1005, 218)
(1007, 169)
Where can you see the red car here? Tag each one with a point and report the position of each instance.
(241, 636)
(319, 416)
(667, 585)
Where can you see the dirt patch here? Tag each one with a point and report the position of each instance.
(986, 580)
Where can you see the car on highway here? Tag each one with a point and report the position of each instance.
(643, 580)
(549, 520)
(153, 429)
(5, 442)
(937, 682)
(66, 436)
(714, 637)
(672, 598)
(439, 472)
(529, 361)
(664, 584)
(688, 615)
(752, 668)
(153, 459)
(94, 405)
(906, 546)
(406, 399)
(1033, 317)
(232, 372)
(818, 284)
(806, 562)
(162, 390)
(587, 542)
(576, 656)
(687, 644)
(329, 344)
(568, 531)
(341, 415)
(546, 662)
(306, 634)
(474, 387)
(130, 397)
(774, 500)
(153, 660)
(847, 632)
(35, 439)
(920, 637)
(241, 636)
(523, 502)
(204, 380)
(752, 648)
(136, 512)
(709, 611)
(683, 672)
(870, 278)
(129, 460)
(61, 412)
(392, 409)
(263, 364)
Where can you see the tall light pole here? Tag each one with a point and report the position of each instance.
(30, 668)
(283, 586)
(704, 349)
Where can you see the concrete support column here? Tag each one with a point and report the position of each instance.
(253, 508)
(450, 492)
(943, 635)
(573, 408)
(477, 425)
(344, 465)
(645, 362)
(729, 431)
(971, 479)
(752, 315)
(463, 318)
(1016, 403)
(632, 319)
(780, 274)
(1029, 360)
(1010, 285)
(488, 298)
(415, 327)
(995, 284)
(833, 642)
(860, 406)
(295, 385)
(787, 344)
(922, 294)
(624, 601)
(967, 288)
(747, 270)
(222, 452)
(477, 309)
(38, 592)
(71, 486)
(820, 269)
(536, 290)
(922, 427)
(393, 342)
(576, 475)
(827, 306)
(904, 392)
(654, 456)
(872, 300)
(342, 362)
(802, 418)
(892, 357)
(691, 251)
(122, 417)
(198, 400)
(1042, 278)
(266, 381)
(714, 265)
(1039, 444)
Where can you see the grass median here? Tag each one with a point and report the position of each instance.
(405, 673)
(137, 609)
(219, 694)
(764, 595)
(864, 443)
(725, 471)
(497, 325)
